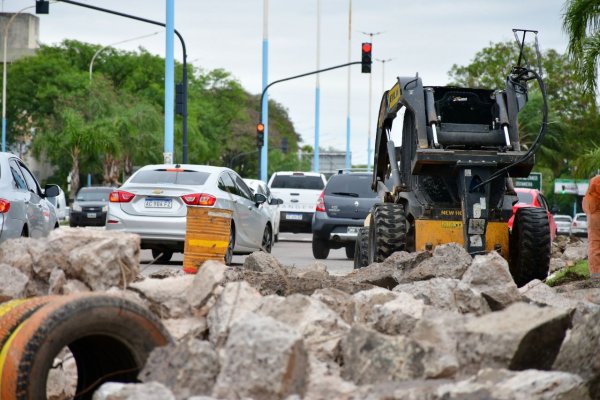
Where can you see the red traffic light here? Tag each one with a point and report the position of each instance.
(366, 47)
(260, 127)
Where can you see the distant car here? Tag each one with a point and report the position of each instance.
(90, 206)
(340, 212)
(271, 205)
(299, 192)
(25, 209)
(60, 204)
(579, 225)
(563, 224)
(532, 198)
(153, 204)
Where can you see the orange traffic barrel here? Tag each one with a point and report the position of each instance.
(206, 236)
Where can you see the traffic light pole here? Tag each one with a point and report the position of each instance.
(185, 74)
(262, 96)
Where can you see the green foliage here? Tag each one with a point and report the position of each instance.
(112, 121)
(582, 24)
(578, 272)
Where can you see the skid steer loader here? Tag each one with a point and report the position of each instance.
(449, 174)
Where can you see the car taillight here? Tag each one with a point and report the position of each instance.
(4, 206)
(120, 196)
(321, 203)
(199, 199)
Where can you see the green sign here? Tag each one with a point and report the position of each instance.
(533, 181)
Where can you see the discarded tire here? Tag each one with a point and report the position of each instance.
(110, 339)
(13, 313)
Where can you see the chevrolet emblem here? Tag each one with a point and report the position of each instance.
(157, 191)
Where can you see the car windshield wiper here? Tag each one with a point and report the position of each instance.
(346, 194)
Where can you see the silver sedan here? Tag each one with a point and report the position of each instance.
(24, 207)
(153, 204)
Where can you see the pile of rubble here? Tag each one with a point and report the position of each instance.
(428, 325)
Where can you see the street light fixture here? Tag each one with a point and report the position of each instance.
(6, 29)
(114, 44)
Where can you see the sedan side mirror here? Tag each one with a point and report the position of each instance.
(260, 198)
(51, 190)
(275, 201)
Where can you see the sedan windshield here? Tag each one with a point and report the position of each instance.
(177, 177)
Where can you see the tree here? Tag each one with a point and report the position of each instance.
(582, 24)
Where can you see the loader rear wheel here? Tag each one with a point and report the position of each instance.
(387, 231)
(530, 246)
(361, 255)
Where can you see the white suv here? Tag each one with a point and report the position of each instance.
(299, 192)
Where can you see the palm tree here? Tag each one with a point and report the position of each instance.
(582, 24)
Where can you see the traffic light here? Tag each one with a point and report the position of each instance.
(366, 57)
(179, 98)
(42, 7)
(260, 134)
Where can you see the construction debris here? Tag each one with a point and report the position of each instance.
(429, 325)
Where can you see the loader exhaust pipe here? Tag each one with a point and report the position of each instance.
(503, 116)
(432, 118)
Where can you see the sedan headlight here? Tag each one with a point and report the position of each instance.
(105, 208)
(76, 207)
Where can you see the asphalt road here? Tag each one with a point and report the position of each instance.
(292, 250)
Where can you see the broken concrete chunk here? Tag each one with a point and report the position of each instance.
(14, 282)
(133, 391)
(165, 297)
(209, 276)
(262, 359)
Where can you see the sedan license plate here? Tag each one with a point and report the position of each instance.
(353, 230)
(91, 215)
(295, 217)
(158, 203)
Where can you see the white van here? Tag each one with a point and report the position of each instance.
(60, 204)
(299, 192)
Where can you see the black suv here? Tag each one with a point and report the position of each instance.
(341, 211)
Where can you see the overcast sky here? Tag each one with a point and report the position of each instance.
(425, 36)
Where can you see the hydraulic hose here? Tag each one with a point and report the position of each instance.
(542, 132)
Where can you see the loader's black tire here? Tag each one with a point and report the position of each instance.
(109, 337)
(387, 231)
(361, 255)
(320, 248)
(530, 246)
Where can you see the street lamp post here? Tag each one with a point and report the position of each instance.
(347, 159)
(4, 77)
(383, 72)
(114, 44)
(370, 34)
(316, 166)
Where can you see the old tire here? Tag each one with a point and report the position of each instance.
(387, 231)
(14, 312)
(530, 246)
(350, 249)
(361, 256)
(320, 248)
(162, 256)
(109, 337)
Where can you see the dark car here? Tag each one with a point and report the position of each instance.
(340, 213)
(90, 206)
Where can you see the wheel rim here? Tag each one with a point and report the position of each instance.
(266, 240)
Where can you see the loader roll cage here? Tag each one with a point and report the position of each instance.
(446, 129)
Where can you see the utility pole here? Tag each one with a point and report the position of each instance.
(317, 91)
(383, 72)
(348, 153)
